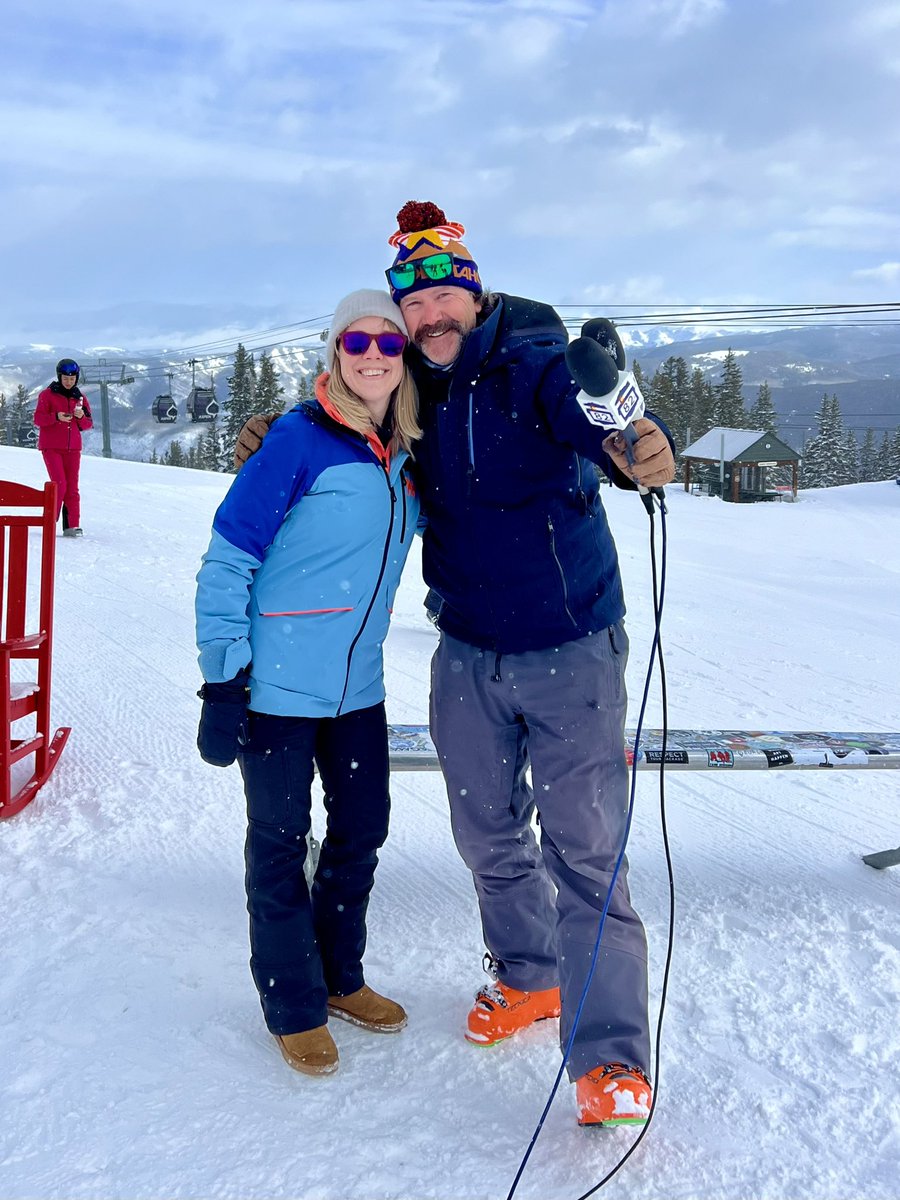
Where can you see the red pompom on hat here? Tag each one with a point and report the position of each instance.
(429, 252)
(416, 215)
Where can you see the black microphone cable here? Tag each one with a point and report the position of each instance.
(658, 580)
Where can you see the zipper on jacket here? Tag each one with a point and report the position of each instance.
(402, 485)
(381, 570)
(70, 409)
(470, 471)
(580, 492)
(559, 567)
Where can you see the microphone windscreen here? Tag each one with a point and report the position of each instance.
(602, 330)
(591, 367)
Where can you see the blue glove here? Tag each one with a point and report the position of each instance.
(223, 720)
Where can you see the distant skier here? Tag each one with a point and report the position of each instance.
(62, 415)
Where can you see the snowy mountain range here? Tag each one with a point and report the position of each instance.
(861, 364)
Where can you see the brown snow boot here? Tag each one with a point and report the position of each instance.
(313, 1052)
(368, 1010)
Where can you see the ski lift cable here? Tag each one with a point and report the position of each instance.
(728, 304)
(242, 337)
(747, 323)
(161, 371)
(715, 315)
(632, 315)
(252, 349)
(695, 316)
(637, 313)
(688, 309)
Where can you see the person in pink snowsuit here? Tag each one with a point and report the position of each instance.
(61, 415)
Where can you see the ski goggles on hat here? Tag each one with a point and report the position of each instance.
(357, 341)
(434, 266)
(69, 367)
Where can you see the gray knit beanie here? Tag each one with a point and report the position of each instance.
(367, 302)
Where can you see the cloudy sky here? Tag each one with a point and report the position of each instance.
(170, 168)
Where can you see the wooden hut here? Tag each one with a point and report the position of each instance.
(733, 464)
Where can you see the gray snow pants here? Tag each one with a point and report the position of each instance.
(561, 711)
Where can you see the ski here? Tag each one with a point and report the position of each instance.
(411, 749)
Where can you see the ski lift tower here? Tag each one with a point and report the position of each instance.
(102, 375)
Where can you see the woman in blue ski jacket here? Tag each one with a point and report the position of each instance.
(293, 603)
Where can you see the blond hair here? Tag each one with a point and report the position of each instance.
(404, 404)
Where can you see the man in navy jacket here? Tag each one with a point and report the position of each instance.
(530, 666)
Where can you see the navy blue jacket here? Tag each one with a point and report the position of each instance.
(517, 542)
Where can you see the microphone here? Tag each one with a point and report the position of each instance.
(602, 330)
(609, 396)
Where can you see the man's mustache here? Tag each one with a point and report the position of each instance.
(426, 331)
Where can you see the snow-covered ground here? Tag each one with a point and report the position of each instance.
(135, 1063)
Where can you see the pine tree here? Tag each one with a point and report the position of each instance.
(306, 387)
(849, 463)
(669, 397)
(682, 403)
(22, 431)
(763, 415)
(883, 458)
(703, 402)
(823, 458)
(868, 457)
(729, 410)
(174, 456)
(210, 451)
(894, 456)
(4, 420)
(659, 394)
(269, 392)
(241, 394)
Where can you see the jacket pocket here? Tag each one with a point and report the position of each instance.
(618, 639)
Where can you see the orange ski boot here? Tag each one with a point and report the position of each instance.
(500, 1011)
(614, 1095)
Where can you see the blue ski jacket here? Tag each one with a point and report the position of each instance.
(305, 557)
(517, 542)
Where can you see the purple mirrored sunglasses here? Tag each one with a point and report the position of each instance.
(357, 341)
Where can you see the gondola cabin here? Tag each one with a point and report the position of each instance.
(202, 404)
(164, 410)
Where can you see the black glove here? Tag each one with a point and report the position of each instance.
(223, 720)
